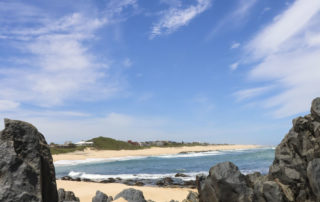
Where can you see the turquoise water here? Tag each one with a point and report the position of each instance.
(154, 167)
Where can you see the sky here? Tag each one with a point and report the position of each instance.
(217, 71)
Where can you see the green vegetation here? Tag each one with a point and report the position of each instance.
(62, 150)
(105, 143)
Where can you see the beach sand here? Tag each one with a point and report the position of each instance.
(104, 154)
(86, 190)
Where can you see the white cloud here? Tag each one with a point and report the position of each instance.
(235, 18)
(235, 45)
(176, 17)
(234, 66)
(127, 62)
(7, 105)
(287, 25)
(287, 52)
(252, 92)
(59, 65)
(115, 125)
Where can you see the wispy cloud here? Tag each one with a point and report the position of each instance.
(55, 62)
(176, 17)
(7, 105)
(287, 52)
(252, 92)
(235, 45)
(234, 66)
(235, 17)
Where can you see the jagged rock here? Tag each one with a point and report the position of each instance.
(315, 108)
(293, 176)
(131, 195)
(272, 191)
(192, 197)
(26, 167)
(67, 196)
(101, 197)
(313, 173)
(225, 183)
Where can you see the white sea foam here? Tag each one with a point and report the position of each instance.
(99, 177)
(191, 154)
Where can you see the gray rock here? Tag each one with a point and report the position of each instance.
(26, 167)
(131, 195)
(100, 197)
(313, 173)
(315, 107)
(192, 197)
(225, 183)
(293, 176)
(272, 191)
(67, 196)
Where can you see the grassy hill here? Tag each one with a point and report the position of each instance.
(99, 143)
(106, 143)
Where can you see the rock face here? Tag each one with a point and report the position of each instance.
(26, 167)
(192, 197)
(131, 195)
(293, 176)
(101, 197)
(67, 196)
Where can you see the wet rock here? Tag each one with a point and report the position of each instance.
(138, 183)
(26, 167)
(181, 175)
(131, 195)
(66, 178)
(109, 180)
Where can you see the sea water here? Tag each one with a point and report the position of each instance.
(154, 167)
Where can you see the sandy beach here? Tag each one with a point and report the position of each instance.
(104, 154)
(86, 190)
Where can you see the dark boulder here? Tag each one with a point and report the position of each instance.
(26, 167)
(131, 195)
(225, 183)
(101, 197)
(293, 176)
(67, 196)
(181, 175)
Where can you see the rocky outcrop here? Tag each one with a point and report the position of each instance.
(101, 197)
(131, 195)
(293, 176)
(192, 197)
(26, 167)
(67, 196)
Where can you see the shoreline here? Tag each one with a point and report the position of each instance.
(86, 190)
(153, 151)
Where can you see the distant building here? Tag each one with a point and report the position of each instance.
(84, 143)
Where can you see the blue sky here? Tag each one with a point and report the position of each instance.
(217, 71)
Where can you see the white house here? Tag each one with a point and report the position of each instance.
(84, 143)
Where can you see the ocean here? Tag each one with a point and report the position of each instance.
(156, 167)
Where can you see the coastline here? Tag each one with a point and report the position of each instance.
(86, 190)
(153, 151)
